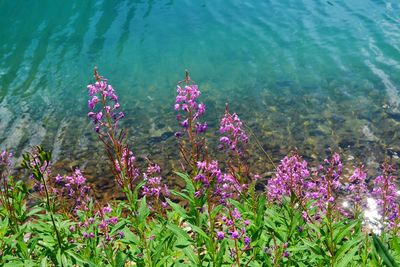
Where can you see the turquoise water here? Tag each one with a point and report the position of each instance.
(306, 74)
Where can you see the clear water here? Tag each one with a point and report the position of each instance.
(308, 74)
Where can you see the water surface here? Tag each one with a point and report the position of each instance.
(309, 74)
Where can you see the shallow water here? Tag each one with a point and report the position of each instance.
(311, 75)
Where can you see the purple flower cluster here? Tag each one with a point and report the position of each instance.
(36, 162)
(235, 138)
(153, 186)
(385, 193)
(73, 190)
(108, 115)
(234, 227)
(357, 185)
(106, 222)
(125, 168)
(209, 172)
(186, 102)
(225, 186)
(98, 224)
(290, 178)
(356, 191)
(228, 187)
(277, 251)
(325, 185)
(294, 178)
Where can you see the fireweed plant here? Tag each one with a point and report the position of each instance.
(308, 215)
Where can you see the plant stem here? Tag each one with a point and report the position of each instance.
(51, 212)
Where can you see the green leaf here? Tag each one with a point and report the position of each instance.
(3, 227)
(138, 187)
(143, 210)
(34, 211)
(345, 231)
(79, 259)
(129, 237)
(43, 263)
(15, 264)
(343, 250)
(383, 252)
(260, 210)
(179, 232)
(199, 231)
(189, 184)
(191, 255)
(297, 248)
(221, 253)
(23, 249)
(216, 211)
(118, 226)
(348, 257)
(120, 259)
(163, 261)
(182, 195)
(183, 243)
(58, 257)
(167, 241)
(178, 209)
(237, 205)
(317, 249)
(65, 261)
(275, 216)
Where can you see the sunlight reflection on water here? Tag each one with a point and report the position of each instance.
(372, 218)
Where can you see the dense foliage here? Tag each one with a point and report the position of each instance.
(307, 216)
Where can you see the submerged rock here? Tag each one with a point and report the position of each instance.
(394, 115)
(158, 139)
(370, 136)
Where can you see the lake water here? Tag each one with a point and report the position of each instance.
(308, 74)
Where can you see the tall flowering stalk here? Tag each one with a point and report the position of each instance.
(234, 140)
(106, 115)
(189, 114)
(212, 187)
(324, 189)
(7, 187)
(5, 164)
(325, 185)
(385, 193)
(356, 191)
(38, 162)
(215, 189)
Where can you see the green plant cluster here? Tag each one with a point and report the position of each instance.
(34, 233)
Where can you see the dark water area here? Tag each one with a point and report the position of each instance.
(313, 75)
